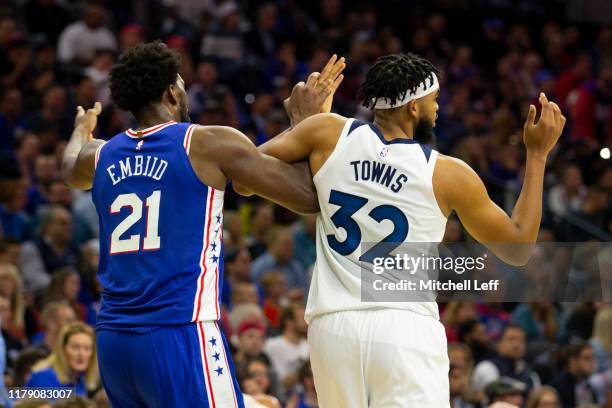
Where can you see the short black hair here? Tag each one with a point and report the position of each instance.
(142, 75)
(392, 75)
(511, 326)
(466, 328)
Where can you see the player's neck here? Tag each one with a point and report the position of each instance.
(152, 116)
(392, 129)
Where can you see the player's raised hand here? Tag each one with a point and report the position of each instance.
(316, 95)
(329, 80)
(541, 137)
(87, 120)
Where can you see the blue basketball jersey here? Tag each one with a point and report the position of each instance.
(161, 245)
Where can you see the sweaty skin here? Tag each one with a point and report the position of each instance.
(456, 186)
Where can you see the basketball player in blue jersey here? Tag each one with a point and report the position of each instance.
(378, 182)
(158, 190)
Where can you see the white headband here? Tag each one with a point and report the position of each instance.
(422, 90)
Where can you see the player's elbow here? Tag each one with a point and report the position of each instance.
(241, 189)
(72, 180)
(514, 254)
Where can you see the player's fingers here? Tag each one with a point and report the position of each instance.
(531, 115)
(337, 82)
(338, 68)
(328, 67)
(97, 108)
(297, 88)
(80, 111)
(312, 79)
(547, 113)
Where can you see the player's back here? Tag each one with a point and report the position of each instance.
(161, 253)
(370, 191)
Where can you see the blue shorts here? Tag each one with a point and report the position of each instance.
(178, 366)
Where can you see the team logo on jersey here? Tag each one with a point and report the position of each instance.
(384, 152)
(139, 145)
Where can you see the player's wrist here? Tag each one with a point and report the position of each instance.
(537, 156)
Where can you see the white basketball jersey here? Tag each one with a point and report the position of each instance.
(368, 188)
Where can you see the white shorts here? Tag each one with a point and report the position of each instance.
(379, 358)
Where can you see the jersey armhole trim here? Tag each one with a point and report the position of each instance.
(345, 131)
(184, 150)
(97, 155)
(431, 163)
(187, 139)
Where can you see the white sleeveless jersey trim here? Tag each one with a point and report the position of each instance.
(405, 183)
(334, 153)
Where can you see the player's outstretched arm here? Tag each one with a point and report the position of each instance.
(78, 163)
(269, 177)
(459, 188)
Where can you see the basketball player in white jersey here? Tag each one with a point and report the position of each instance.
(373, 354)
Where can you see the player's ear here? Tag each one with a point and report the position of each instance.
(173, 94)
(413, 109)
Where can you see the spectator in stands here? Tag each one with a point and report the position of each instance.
(237, 264)
(79, 41)
(4, 400)
(207, 88)
(233, 236)
(10, 251)
(65, 287)
(261, 219)
(279, 256)
(306, 397)
(98, 72)
(24, 363)
(509, 362)
(225, 42)
(304, 238)
(593, 213)
(13, 219)
(473, 334)
(259, 369)
(569, 194)
(26, 152)
(275, 290)
(458, 383)
(251, 338)
(601, 342)
(10, 286)
(289, 351)
(54, 249)
(506, 390)
(251, 385)
(54, 316)
(577, 364)
(73, 362)
(454, 315)
(593, 97)
(13, 123)
(13, 344)
(244, 293)
(543, 397)
(46, 169)
(540, 320)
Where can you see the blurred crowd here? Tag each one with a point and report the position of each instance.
(240, 60)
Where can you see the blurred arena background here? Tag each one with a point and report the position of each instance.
(240, 61)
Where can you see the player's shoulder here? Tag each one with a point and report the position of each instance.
(453, 179)
(324, 121)
(450, 167)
